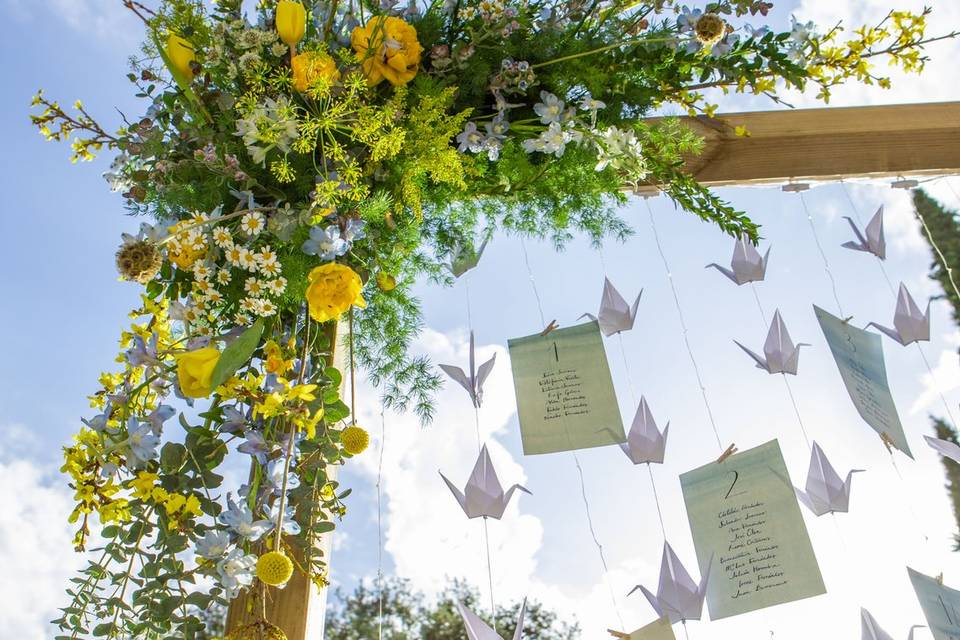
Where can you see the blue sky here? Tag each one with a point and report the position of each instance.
(64, 309)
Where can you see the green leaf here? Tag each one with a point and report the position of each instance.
(237, 354)
(172, 456)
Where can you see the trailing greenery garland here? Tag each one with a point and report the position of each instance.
(306, 168)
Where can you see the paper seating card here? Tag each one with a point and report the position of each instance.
(565, 396)
(859, 356)
(744, 518)
(940, 604)
(659, 630)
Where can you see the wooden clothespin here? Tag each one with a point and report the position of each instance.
(887, 442)
(732, 449)
(550, 327)
(619, 634)
(795, 187)
(940, 579)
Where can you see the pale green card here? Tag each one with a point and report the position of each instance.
(744, 518)
(859, 356)
(565, 397)
(940, 604)
(659, 630)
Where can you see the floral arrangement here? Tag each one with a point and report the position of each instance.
(297, 170)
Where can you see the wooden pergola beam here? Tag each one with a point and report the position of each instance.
(828, 144)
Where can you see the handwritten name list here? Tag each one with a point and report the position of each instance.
(859, 357)
(745, 519)
(565, 396)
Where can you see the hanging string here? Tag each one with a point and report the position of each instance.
(686, 340)
(886, 278)
(823, 255)
(576, 460)
(383, 444)
(476, 423)
(633, 399)
(683, 326)
(904, 497)
(786, 381)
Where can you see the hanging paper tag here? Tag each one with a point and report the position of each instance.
(940, 604)
(859, 356)
(743, 513)
(565, 396)
(659, 630)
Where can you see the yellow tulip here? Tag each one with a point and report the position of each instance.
(291, 21)
(195, 371)
(180, 53)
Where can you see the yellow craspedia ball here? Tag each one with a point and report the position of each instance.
(261, 630)
(355, 440)
(333, 289)
(274, 568)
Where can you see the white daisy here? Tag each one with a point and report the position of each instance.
(223, 276)
(252, 223)
(222, 238)
(247, 259)
(254, 287)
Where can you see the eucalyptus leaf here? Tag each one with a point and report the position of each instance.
(237, 354)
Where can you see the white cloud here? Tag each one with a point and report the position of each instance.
(106, 22)
(35, 549)
(945, 377)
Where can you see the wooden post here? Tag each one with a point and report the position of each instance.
(299, 609)
(827, 144)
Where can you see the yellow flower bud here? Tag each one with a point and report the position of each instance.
(291, 21)
(386, 282)
(180, 53)
(195, 371)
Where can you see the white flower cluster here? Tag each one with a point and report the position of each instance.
(271, 124)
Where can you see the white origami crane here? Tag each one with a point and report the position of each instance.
(615, 314)
(826, 492)
(909, 323)
(944, 448)
(483, 495)
(782, 356)
(678, 597)
(747, 265)
(872, 240)
(463, 258)
(477, 629)
(474, 379)
(870, 630)
(645, 443)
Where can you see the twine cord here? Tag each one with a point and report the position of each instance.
(576, 460)
(683, 327)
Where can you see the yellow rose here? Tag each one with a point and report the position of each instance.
(195, 370)
(180, 54)
(388, 48)
(333, 289)
(291, 22)
(310, 66)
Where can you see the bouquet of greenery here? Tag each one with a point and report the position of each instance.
(302, 167)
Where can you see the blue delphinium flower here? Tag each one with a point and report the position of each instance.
(326, 244)
(234, 420)
(236, 571)
(99, 422)
(160, 415)
(239, 519)
(213, 545)
(275, 475)
(290, 526)
(141, 443)
(255, 446)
